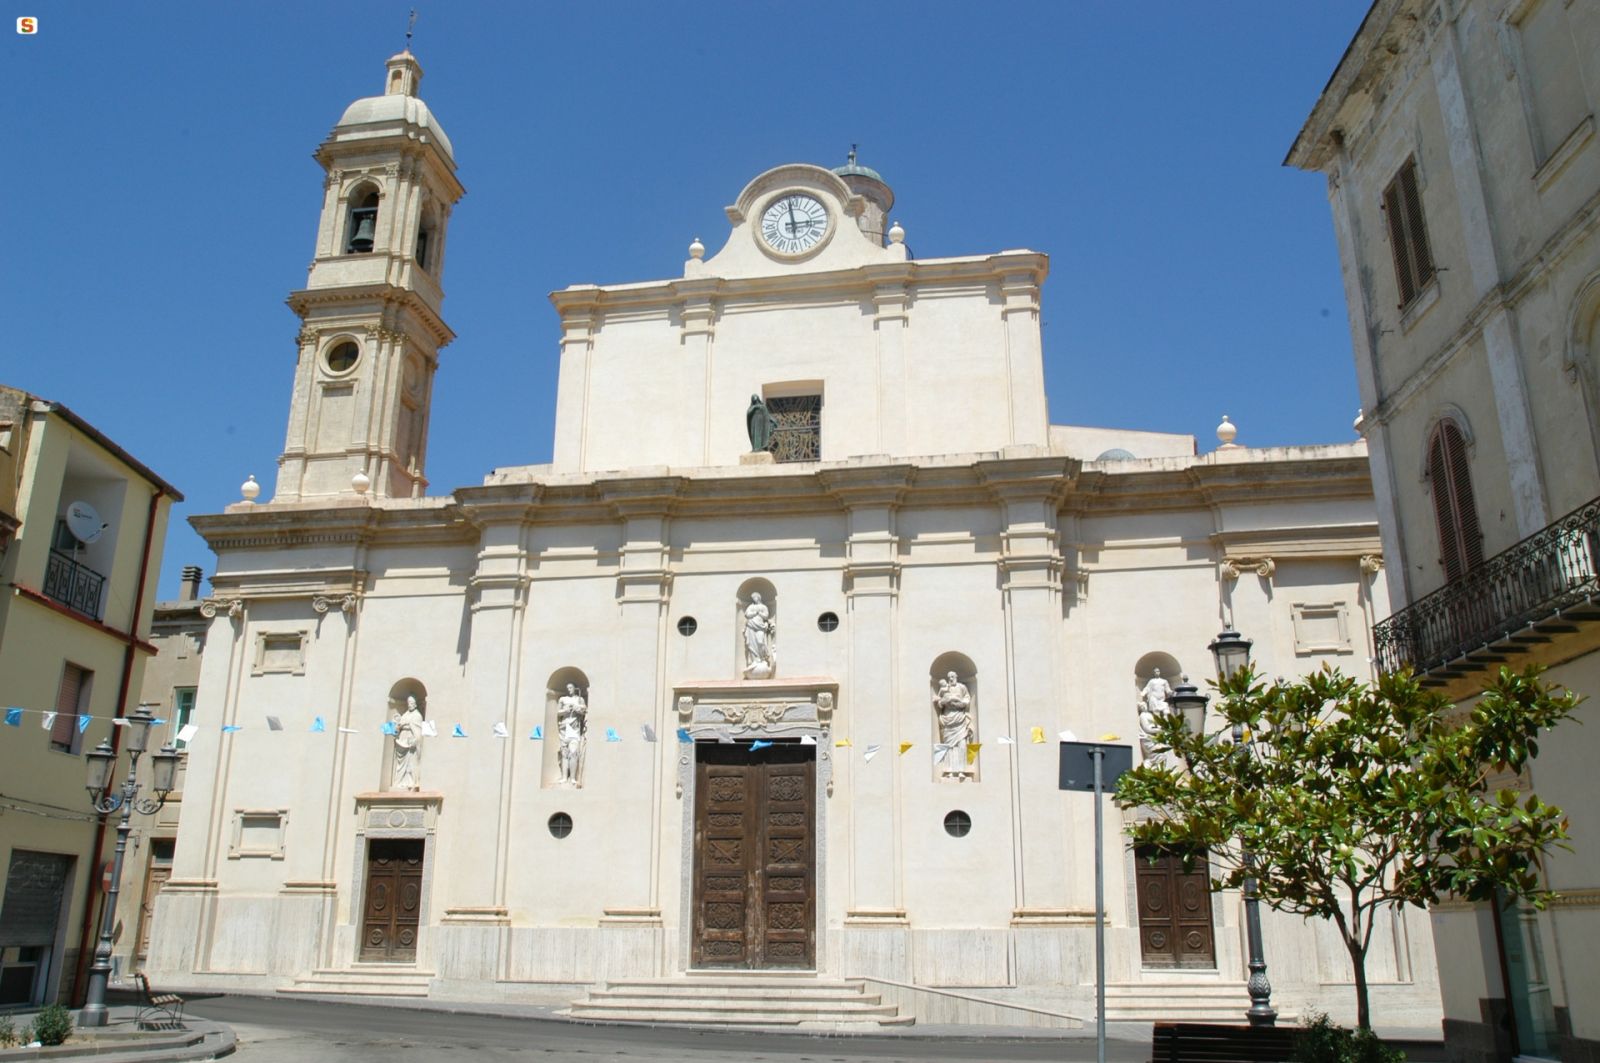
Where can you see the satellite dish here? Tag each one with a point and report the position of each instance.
(83, 521)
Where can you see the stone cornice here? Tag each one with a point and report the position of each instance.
(303, 299)
(1244, 479)
(1366, 60)
(1007, 267)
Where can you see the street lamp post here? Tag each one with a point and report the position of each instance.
(164, 768)
(1232, 653)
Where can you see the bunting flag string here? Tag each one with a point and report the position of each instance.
(275, 724)
(49, 720)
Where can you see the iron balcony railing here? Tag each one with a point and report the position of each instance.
(74, 585)
(1543, 576)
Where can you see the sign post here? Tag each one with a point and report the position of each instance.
(1096, 767)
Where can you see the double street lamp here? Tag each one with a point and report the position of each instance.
(1232, 653)
(164, 772)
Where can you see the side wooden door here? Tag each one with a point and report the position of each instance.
(392, 906)
(1174, 910)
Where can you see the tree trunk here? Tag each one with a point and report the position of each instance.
(1358, 961)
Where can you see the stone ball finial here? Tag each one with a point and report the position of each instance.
(360, 482)
(1226, 431)
(697, 249)
(1360, 423)
(250, 490)
(897, 235)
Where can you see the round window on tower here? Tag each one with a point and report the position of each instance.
(341, 357)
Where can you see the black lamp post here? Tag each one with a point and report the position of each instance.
(1232, 653)
(164, 770)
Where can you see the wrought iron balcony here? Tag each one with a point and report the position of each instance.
(1526, 594)
(74, 585)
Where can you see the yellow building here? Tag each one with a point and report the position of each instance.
(81, 527)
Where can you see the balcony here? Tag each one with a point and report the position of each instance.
(1540, 590)
(74, 585)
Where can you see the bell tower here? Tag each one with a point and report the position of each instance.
(370, 325)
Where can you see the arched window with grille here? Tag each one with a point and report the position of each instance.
(1455, 510)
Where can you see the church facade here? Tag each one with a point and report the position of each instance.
(766, 670)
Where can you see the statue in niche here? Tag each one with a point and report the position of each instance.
(1152, 706)
(572, 729)
(407, 746)
(760, 659)
(761, 424)
(953, 703)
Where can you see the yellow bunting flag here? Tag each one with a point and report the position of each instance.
(903, 747)
(843, 743)
(972, 751)
(1038, 736)
(1110, 738)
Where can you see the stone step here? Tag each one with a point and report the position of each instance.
(756, 999)
(885, 1016)
(363, 981)
(809, 996)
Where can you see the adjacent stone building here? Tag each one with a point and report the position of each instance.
(1458, 137)
(764, 672)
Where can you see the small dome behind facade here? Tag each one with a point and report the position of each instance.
(869, 184)
(1116, 454)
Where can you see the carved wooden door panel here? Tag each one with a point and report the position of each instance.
(154, 878)
(754, 859)
(392, 907)
(1174, 910)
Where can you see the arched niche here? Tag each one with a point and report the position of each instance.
(954, 766)
(407, 687)
(554, 689)
(745, 667)
(1144, 672)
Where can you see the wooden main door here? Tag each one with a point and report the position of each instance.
(155, 876)
(754, 856)
(1174, 910)
(392, 906)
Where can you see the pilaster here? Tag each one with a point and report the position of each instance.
(697, 317)
(1019, 279)
(891, 301)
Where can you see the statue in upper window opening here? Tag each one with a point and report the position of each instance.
(761, 424)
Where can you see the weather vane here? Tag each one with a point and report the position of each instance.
(410, 26)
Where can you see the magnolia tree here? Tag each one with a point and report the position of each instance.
(1353, 797)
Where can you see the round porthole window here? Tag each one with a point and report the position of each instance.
(828, 622)
(687, 626)
(341, 357)
(958, 824)
(561, 824)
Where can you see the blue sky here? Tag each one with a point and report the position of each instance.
(162, 200)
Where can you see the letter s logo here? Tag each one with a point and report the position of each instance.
(27, 25)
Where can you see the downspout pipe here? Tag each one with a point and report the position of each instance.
(128, 651)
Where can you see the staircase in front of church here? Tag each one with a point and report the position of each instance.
(765, 998)
(1179, 1000)
(364, 980)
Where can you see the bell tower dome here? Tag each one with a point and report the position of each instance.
(371, 329)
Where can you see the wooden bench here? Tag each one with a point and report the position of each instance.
(157, 1011)
(1194, 1042)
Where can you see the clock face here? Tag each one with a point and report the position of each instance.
(794, 224)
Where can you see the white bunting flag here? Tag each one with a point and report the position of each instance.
(500, 731)
(940, 750)
(808, 740)
(1006, 740)
(872, 751)
(648, 732)
(430, 729)
(119, 722)
(1068, 736)
(348, 731)
(49, 721)
(187, 732)
(274, 724)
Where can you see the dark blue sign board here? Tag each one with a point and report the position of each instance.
(1077, 766)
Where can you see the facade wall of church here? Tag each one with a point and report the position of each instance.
(1008, 907)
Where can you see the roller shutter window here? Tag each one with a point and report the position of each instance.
(1408, 234)
(1454, 508)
